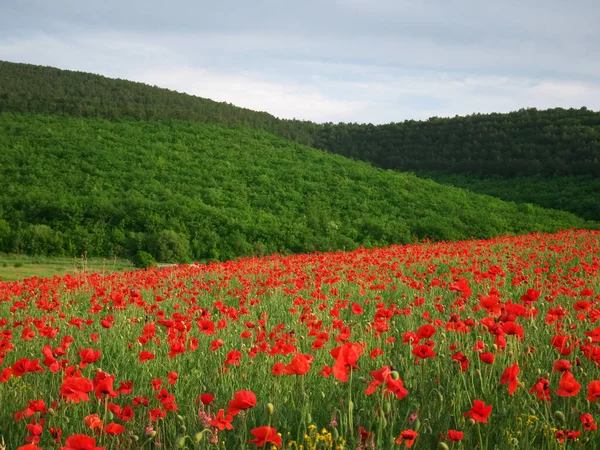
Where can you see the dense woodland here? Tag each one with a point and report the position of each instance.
(577, 194)
(181, 190)
(523, 143)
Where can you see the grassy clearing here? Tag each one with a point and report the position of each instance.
(18, 267)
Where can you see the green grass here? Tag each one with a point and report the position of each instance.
(18, 267)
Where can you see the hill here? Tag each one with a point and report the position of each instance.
(495, 154)
(181, 190)
(525, 142)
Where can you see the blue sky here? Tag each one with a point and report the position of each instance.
(368, 61)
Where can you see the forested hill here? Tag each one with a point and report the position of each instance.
(183, 190)
(522, 143)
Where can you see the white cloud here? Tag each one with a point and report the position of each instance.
(371, 80)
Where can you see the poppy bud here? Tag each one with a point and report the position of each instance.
(363, 379)
(471, 422)
(387, 407)
(440, 396)
(135, 437)
(417, 425)
(110, 415)
(51, 411)
(395, 375)
(180, 418)
(539, 371)
(336, 434)
(198, 436)
(560, 417)
(180, 442)
(309, 418)
(152, 434)
(383, 422)
(269, 409)
(443, 446)
(183, 428)
(350, 407)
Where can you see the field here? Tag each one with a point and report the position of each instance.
(17, 267)
(489, 344)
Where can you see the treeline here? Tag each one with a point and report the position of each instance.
(577, 194)
(180, 191)
(523, 143)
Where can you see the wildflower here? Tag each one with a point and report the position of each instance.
(407, 437)
(479, 411)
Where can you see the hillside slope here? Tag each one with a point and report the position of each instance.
(186, 190)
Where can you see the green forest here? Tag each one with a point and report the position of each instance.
(523, 156)
(180, 191)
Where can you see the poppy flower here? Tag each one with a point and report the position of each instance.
(29, 447)
(561, 365)
(407, 437)
(76, 389)
(593, 390)
(145, 355)
(93, 422)
(80, 442)
(114, 428)
(454, 435)
(206, 398)
(300, 365)
(487, 357)
(510, 377)
(587, 420)
(346, 357)
(221, 421)
(541, 389)
(479, 411)
(241, 400)
(88, 356)
(265, 435)
(423, 351)
(568, 386)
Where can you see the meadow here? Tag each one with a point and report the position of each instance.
(17, 267)
(487, 344)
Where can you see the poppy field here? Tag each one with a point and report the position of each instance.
(490, 344)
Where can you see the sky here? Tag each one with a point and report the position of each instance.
(364, 61)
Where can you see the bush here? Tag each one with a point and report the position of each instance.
(143, 260)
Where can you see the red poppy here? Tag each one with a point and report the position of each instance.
(93, 422)
(241, 400)
(479, 411)
(407, 437)
(541, 389)
(145, 355)
(346, 357)
(114, 428)
(265, 435)
(76, 389)
(561, 365)
(300, 365)
(568, 386)
(587, 420)
(487, 357)
(423, 351)
(221, 421)
(80, 442)
(88, 356)
(206, 398)
(510, 377)
(454, 435)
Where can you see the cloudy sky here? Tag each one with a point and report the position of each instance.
(371, 61)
